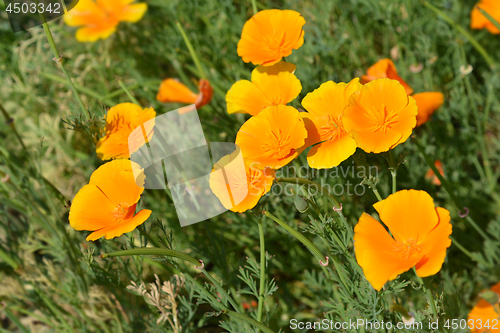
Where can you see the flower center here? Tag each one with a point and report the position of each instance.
(382, 120)
(333, 128)
(121, 212)
(408, 248)
(277, 145)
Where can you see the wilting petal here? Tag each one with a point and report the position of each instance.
(409, 214)
(377, 253)
(272, 137)
(205, 94)
(121, 228)
(172, 91)
(331, 153)
(427, 103)
(435, 245)
(270, 35)
(385, 68)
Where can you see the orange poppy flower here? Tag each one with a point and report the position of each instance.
(479, 21)
(380, 115)
(107, 204)
(430, 175)
(239, 187)
(271, 85)
(421, 236)
(485, 315)
(273, 137)
(427, 103)
(270, 35)
(324, 124)
(99, 19)
(385, 68)
(121, 120)
(173, 91)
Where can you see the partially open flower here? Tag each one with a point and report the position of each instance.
(427, 104)
(385, 68)
(479, 21)
(99, 19)
(421, 236)
(107, 204)
(240, 186)
(270, 85)
(121, 120)
(325, 126)
(430, 175)
(486, 313)
(273, 137)
(270, 35)
(173, 91)
(380, 115)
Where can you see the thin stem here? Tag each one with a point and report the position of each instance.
(449, 190)
(467, 252)
(149, 251)
(428, 294)
(10, 121)
(262, 285)
(58, 58)
(394, 170)
(336, 205)
(196, 61)
(129, 94)
(464, 32)
(221, 290)
(254, 7)
(377, 194)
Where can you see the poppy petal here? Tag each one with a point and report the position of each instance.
(331, 153)
(427, 103)
(91, 209)
(121, 228)
(435, 245)
(133, 13)
(171, 91)
(245, 97)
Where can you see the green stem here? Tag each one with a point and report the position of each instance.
(377, 194)
(221, 290)
(129, 94)
(151, 251)
(262, 284)
(467, 252)
(196, 61)
(428, 294)
(464, 32)
(58, 58)
(10, 121)
(248, 320)
(336, 205)
(254, 7)
(394, 170)
(447, 187)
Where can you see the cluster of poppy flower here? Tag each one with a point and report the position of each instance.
(375, 114)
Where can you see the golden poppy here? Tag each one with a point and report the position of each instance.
(273, 137)
(270, 35)
(107, 204)
(380, 115)
(427, 102)
(121, 120)
(485, 316)
(430, 175)
(173, 91)
(385, 68)
(479, 21)
(239, 187)
(99, 19)
(421, 236)
(324, 124)
(270, 85)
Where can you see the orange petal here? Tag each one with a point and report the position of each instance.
(484, 312)
(116, 180)
(435, 245)
(331, 153)
(172, 90)
(270, 35)
(133, 13)
(90, 209)
(385, 68)
(272, 137)
(92, 34)
(427, 103)
(479, 21)
(205, 94)
(409, 215)
(245, 97)
(121, 228)
(376, 253)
